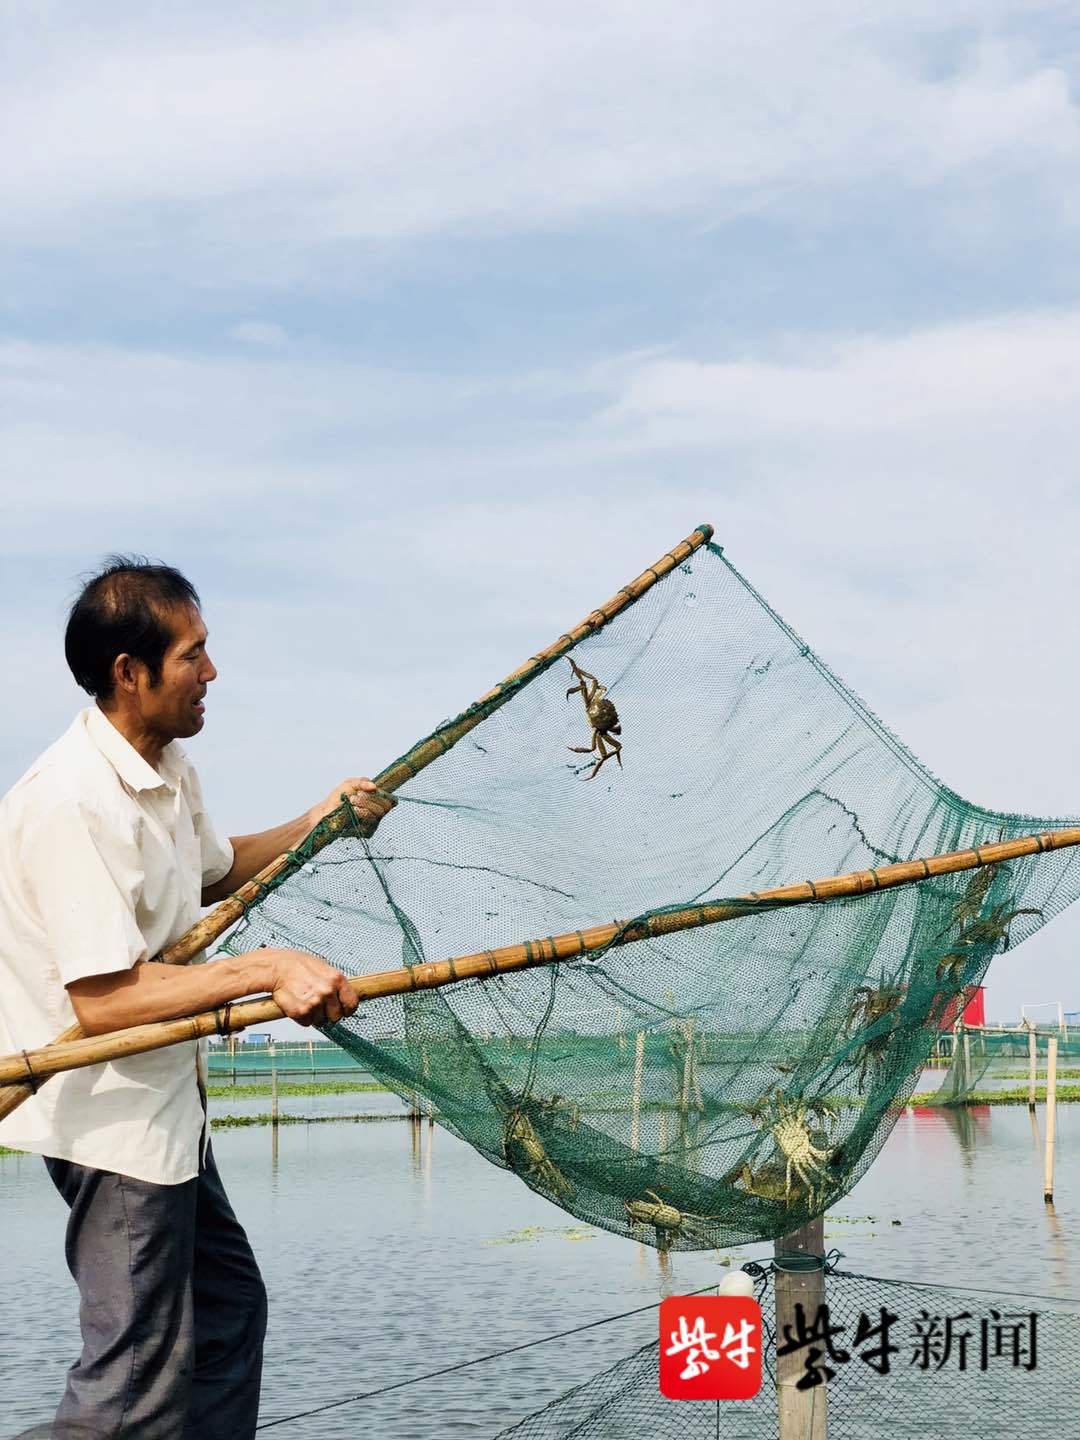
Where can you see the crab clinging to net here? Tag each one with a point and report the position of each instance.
(873, 1017)
(980, 935)
(668, 1222)
(524, 1150)
(794, 1125)
(602, 716)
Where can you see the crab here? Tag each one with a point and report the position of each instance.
(666, 1220)
(772, 1183)
(868, 1006)
(787, 1121)
(525, 1153)
(969, 906)
(602, 716)
(990, 930)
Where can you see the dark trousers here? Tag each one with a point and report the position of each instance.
(172, 1310)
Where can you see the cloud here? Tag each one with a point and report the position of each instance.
(1015, 369)
(259, 332)
(235, 134)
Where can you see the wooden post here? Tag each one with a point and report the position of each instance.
(414, 1135)
(425, 1072)
(1051, 1118)
(311, 1057)
(803, 1414)
(273, 1086)
(1033, 1066)
(959, 1057)
(232, 1059)
(635, 1113)
(967, 1061)
(687, 1029)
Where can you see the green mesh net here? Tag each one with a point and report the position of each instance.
(720, 1085)
(932, 1384)
(985, 1065)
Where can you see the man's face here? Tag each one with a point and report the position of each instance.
(173, 708)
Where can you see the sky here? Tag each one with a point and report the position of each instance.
(413, 331)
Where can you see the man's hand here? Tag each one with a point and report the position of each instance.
(369, 804)
(308, 989)
(252, 853)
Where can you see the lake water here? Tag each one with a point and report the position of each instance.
(390, 1250)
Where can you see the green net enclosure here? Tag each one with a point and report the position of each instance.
(934, 1384)
(718, 1085)
(999, 1065)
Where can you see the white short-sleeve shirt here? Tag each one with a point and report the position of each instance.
(102, 863)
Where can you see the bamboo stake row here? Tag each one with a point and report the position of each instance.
(213, 925)
(30, 1067)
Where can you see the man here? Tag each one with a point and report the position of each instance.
(106, 852)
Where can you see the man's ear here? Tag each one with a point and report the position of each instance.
(124, 673)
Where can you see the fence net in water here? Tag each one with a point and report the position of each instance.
(935, 1379)
(999, 1066)
(721, 1085)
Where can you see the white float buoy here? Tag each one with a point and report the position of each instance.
(737, 1283)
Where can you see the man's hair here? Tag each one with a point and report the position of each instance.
(123, 609)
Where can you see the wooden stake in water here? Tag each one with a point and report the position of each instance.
(273, 1086)
(803, 1414)
(1051, 1118)
(686, 1029)
(1033, 1066)
(635, 1111)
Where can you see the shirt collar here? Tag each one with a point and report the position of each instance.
(133, 770)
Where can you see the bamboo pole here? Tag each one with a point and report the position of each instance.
(635, 1110)
(1051, 1118)
(28, 1068)
(958, 1060)
(686, 1028)
(273, 1086)
(225, 914)
(1033, 1067)
(803, 1414)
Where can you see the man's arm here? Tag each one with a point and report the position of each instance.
(306, 988)
(252, 853)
